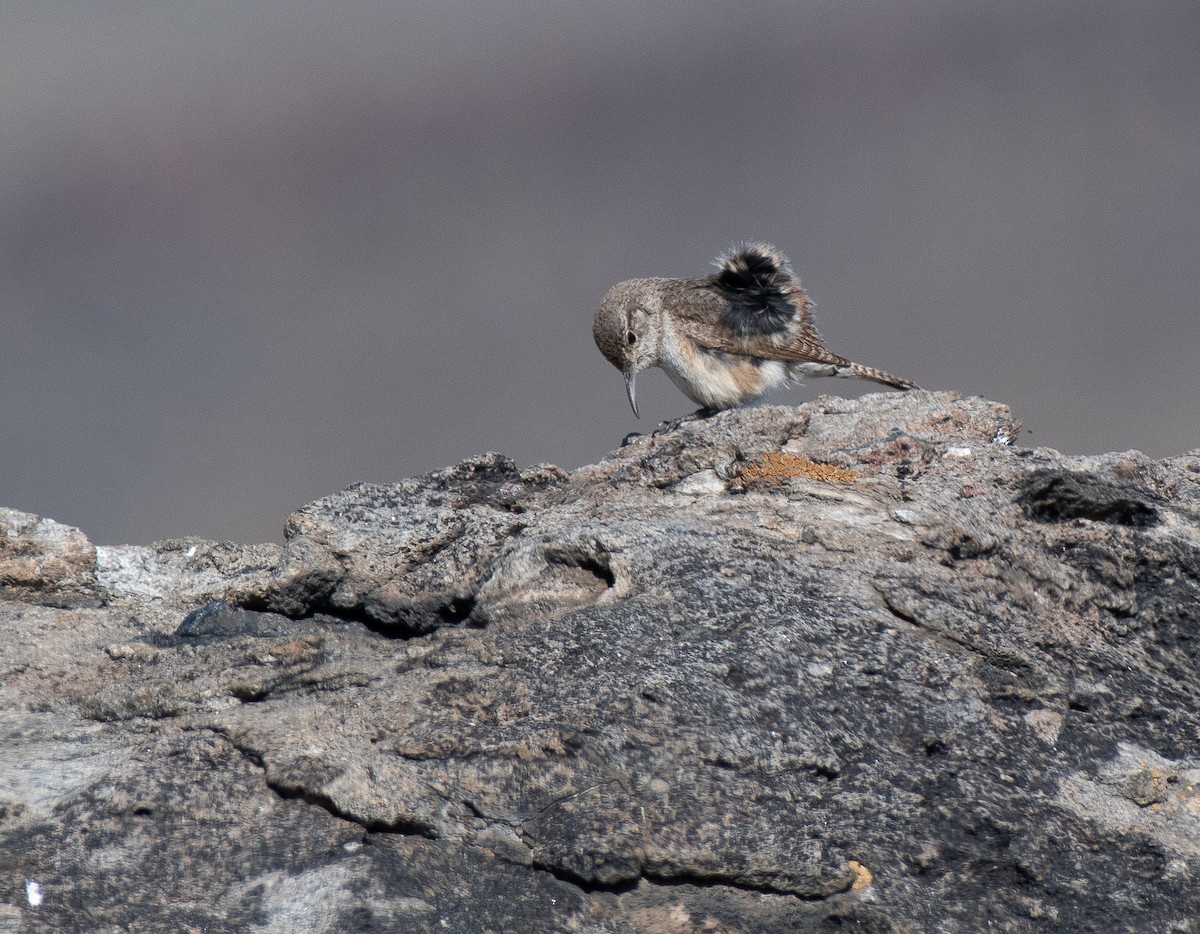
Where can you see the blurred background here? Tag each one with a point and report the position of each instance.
(250, 256)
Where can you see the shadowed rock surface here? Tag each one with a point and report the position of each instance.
(858, 665)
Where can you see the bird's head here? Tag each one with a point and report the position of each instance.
(627, 329)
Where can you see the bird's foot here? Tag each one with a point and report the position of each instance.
(667, 427)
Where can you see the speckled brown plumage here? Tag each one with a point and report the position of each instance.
(725, 339)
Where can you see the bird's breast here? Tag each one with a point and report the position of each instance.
(716, 379)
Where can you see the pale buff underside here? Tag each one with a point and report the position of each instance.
(722, 380)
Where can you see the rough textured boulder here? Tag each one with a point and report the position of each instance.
(860, 665)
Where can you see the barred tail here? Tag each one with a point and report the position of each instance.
(878, 376)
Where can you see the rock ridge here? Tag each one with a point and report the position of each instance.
(859, 663)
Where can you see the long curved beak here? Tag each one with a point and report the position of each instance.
(630, 391)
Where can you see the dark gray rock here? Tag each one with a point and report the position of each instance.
(860, 665)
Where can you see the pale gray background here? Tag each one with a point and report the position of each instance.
(247, 258)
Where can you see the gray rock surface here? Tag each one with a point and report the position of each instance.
(860, 665)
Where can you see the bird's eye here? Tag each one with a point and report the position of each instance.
(630, 338)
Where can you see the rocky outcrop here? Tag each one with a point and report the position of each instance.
(858, 664)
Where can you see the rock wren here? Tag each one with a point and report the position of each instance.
(725, 339)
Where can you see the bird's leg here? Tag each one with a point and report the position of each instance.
(667, 427)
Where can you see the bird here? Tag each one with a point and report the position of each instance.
(725, 339)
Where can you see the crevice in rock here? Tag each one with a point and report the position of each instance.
(391, 628)
(696, 879)
(1056, 495)
(459, 610)
(590, 556)
(907, 617)
(296, 792)
(475, 812)
(316, 799)
(219, 621)
(900, 614)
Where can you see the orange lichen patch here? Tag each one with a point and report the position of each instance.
(863, 876)
(778, 466)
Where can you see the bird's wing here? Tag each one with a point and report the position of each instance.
(800, 349)
(703, 318)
